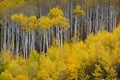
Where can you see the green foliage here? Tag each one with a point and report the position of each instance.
(52, 57)
(4, 61)
(34, 56)
(33, 64)
(16, 67)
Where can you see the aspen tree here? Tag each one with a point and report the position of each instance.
(78, 12)
(56, 14)
(27, 25)
(45, 23)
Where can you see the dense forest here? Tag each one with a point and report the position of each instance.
(59, 39)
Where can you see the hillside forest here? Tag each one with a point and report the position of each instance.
(59, 40)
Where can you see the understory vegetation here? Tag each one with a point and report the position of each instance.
(97, 58)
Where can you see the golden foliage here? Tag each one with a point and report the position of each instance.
(45, 22)
(78, 11)
(53, 13)
(6, 76)
(21, 77)
(61, 22)
(97, 58)
(55, 18)
(26, 23)
(8, 4)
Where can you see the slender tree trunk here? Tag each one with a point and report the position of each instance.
(75, 28)
(23, 44)
(61, 37)
(4, 45)
(97, 18)
(26, 44)
(46, 36)
(12, 42)
(17, 40)
(44, 43)
(58, 37)
(29, 42)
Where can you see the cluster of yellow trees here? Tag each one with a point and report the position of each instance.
(97, 58)
(27, 25)
(30, 25)
(55, 18)
(50, 27)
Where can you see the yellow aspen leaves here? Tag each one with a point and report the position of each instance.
(55, 12)
(78, 11)
(6, 76)
(21, 19)
(72, 64)
(16, 68)
(27, 23)
(31, 23)
(90, 3)
(45, 22)
(8, 4)
(43, 75)
(55, 18)
(56, 15)
(61, 22)
(89, 60)
(21, 77)
(98, 73)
